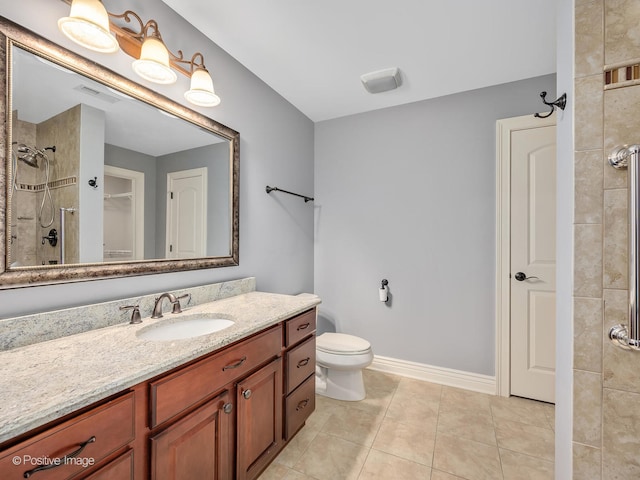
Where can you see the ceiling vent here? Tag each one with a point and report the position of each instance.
(96, 94)
(382, 80)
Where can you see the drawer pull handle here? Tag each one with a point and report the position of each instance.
(302, 404)
(235, 365)
(228, 408)
(56, 462)
(303, 326)
(303, 362)
(247, 394)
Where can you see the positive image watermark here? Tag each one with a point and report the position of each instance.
(44, 461)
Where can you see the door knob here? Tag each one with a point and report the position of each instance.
(521, 277)
(228, 407)
(247, 394)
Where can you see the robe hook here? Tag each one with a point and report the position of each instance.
(561, 102)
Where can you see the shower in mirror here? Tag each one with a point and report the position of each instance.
(35, 158)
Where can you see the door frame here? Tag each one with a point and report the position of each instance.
(137, 190)
(504, 129)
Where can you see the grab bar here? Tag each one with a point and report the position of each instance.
(71, 210)
(628, 156)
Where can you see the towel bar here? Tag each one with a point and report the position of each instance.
(628, 156)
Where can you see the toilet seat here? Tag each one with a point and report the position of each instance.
(342, 344)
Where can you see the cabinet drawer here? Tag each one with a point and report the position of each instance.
(299, 405)
(301, 362)
(180, 390)
(299, 327)
(110, 426)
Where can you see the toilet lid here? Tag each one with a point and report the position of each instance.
(341, 343)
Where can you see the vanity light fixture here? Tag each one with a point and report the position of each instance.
(153, 64)
(88, 25)
(153, 60)
(201, 91)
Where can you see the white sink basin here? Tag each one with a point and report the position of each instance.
(188, 327)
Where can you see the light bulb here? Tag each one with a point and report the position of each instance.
(201, 92)
(88, 26)
(153, 64)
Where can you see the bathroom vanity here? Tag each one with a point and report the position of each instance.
(215, 406)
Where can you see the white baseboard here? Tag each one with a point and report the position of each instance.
(443, 376)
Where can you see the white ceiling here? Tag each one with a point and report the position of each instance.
(313, 52)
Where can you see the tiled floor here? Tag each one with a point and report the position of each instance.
(410, 429)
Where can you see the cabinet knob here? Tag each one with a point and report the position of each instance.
(227, 408)
(247, 394)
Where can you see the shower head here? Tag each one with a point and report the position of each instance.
(30, 155)
(30, 159)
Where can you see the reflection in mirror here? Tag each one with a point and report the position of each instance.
(105, 177)
(80, 130)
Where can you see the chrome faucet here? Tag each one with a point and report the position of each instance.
(157, 309)
(175, 301)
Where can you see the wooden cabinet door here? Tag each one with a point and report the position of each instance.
(259, 420)
(119, 469)
(198, 446)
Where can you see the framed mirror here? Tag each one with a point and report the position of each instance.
(103, 177)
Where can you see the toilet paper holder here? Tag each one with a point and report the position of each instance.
(384, 290)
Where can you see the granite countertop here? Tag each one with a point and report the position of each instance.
(45, 381)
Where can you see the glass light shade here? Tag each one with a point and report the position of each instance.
(88, 25)
(201, 92)
(153, 64)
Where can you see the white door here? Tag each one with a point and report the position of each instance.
(533, 262)
(187, 213)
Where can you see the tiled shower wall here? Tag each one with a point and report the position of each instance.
(606, 382)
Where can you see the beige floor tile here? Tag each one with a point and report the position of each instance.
(520, 410)
(326, 404)
(276, 471)
(406, 426)
(516, 466)
(290, 455)
(380, 381)
(415, 400)
(331, 458)
(458, 400)
(468, 424)
(380, 388)
(528, 439)
(319, 416)
(550, 410)
(383, 466)
(466, 458)
(438, 475)
(424, 390)
(353, 424)
(411, 442)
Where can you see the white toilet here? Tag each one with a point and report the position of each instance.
(340, 359)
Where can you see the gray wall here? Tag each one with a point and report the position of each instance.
(276, 147)
(408, 194)
(216, 159)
